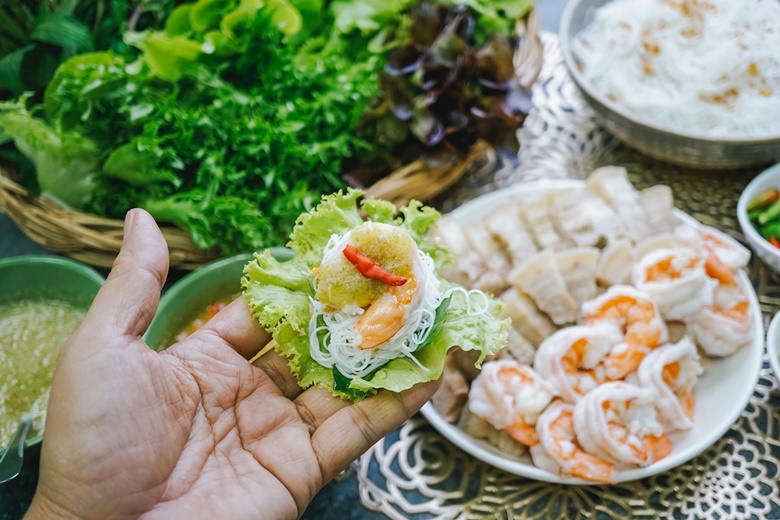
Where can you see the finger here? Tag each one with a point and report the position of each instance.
(278, 370)
(128, 300)
(316, 405)
(235, 326)
(350, 432)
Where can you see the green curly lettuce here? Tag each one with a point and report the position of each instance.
(67, 162)
(279, 295)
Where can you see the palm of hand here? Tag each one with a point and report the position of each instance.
(214, 420)
(195, 431)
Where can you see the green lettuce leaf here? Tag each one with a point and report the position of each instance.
(279, 295)
(178, 22)
(218, 28)
(367, 16)
(67, 163)
(337, 214)
(281, 307)
(168, 57)
(211, 220)
(137, 165)
(206, 14)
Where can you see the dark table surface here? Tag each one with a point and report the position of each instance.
(336, 500)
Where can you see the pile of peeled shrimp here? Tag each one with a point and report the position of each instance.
(603, 395)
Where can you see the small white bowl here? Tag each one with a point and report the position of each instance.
(769, 178)
(773, 344)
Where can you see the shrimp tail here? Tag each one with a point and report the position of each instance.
(717, 270)
(523, 433)
(658, 447)
(588, 467)
(620, 365)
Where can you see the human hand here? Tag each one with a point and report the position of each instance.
(194, 431)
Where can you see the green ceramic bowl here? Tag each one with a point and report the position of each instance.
(192, 294)
(33, 277)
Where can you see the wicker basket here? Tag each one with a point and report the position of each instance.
(85, 237)
(96, 240)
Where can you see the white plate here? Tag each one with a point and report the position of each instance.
(721, 394)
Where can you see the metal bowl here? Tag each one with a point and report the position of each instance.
(670, 144)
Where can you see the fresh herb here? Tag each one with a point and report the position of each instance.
(35, 36)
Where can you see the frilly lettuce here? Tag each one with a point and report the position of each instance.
(67, 163)
(279, 295)
(209, 27)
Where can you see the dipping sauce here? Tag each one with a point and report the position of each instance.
(207, 313)
(31, 335)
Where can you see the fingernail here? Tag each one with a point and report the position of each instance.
(130, 219)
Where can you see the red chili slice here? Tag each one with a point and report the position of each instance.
(370, 269)
(774, 241)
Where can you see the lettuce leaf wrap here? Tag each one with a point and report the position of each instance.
(281, 294)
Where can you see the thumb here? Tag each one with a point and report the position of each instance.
(127, 302)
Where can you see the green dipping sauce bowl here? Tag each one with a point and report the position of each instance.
(193, 293)
(45, 277)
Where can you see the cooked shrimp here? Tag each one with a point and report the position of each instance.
(510, 396)
(676, 280)
(719, 271)
(385, 317)
(639, 320)
(670, 372)
(618, 423)
(725, 249)
(726, 326)
(560, 452)
(572, 359)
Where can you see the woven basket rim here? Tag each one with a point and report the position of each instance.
(96, 240)
(85, 237)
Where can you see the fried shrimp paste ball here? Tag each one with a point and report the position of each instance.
(340, 283)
